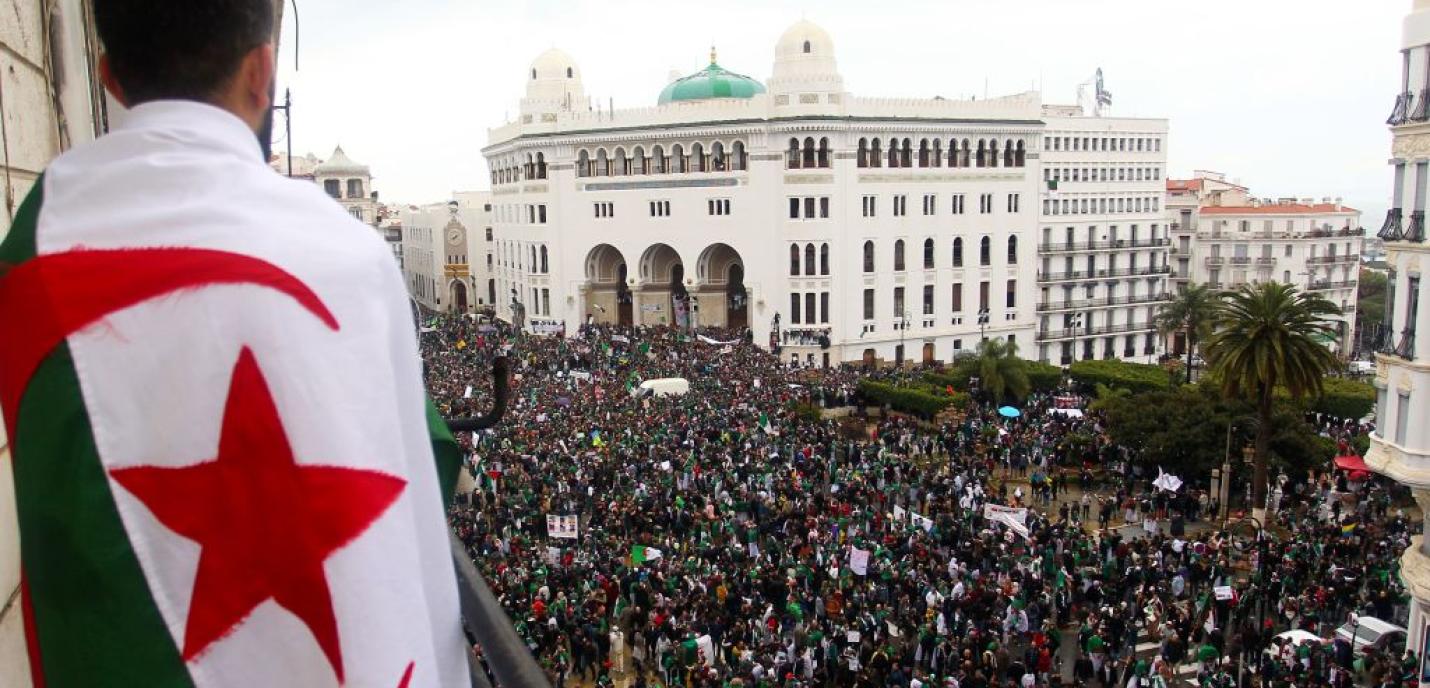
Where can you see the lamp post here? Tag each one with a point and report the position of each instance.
(982, 323)
(903, 326)
(1076, 322)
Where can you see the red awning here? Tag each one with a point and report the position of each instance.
(1351, 462)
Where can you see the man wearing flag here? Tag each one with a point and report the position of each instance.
(223, 470)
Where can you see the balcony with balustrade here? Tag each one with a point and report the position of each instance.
(1080, 304)
(1112, 245)
(1102, 274)
(1049, 335)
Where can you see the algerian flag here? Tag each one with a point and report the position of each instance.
(222, 467)
(641, 554)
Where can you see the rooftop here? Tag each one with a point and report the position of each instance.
(1277, 209)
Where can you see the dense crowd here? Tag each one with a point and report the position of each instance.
(737, 536)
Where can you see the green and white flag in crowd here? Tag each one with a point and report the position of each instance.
(223, 470)
(641, 554)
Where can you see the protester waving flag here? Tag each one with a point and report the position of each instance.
(222, 467)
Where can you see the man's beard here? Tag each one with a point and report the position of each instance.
(265, 128)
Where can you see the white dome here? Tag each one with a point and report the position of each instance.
(553, 83)
(804, 61)
(804, 38)
(553, 64)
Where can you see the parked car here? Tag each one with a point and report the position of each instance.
(1361, 367)
(1367, 632)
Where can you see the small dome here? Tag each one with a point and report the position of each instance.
(712, 82)
(553, 64)
(804, 38)
(339, 163)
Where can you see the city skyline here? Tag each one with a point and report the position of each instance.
(1253, 120)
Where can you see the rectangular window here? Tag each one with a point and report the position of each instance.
(983, 296)
(809, 307)
(869, 206)
(957, 297)
(1013, 202)
(1382, 397)
(1012, 294)
(718, 206)
(928, 299)
(824, 307)
(794, 304)
(824, 206)
(1402, 418)
(809, 208)
(541, 214)
(930, 202)
(898, 302)
(901, 205)
(868, 304)
(794, 208)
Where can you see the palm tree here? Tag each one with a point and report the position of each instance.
(1001, 373)
(1191, 312)
(1270, 335)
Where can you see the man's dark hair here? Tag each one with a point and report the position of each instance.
(179, 49)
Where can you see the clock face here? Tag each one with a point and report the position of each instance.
(454, 236)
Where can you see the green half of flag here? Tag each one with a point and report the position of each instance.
(641, 554)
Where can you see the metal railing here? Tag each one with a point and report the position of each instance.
(1266, 260)
(1215, 260)
(1325, 285)
(1099, 274)
(1420, 112)
(1106, 301)
(1416, 230)
(1240, 260)
(1400, 112)
(1062, 246)
(1391, 231)
(1070, 332)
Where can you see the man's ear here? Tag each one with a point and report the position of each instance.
(255, 79)
(111, 84)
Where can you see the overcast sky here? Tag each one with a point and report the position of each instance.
(1288, 96)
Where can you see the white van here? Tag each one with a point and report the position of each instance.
(662, 387)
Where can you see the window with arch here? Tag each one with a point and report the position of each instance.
(928, 254)
(985, 251)
(893, 152)
(964, 155)
(545, 267)
(861, 159)
(993, 153)
(657, 160)
(697, 158)
(532, 265)
(807, 47)
(540, 165)
(623, 164)
(570, 74)
(874, 156)
(823, 153)
(923, 152)
(906, 157)
(958, 252)
(334, 188)
(533, 74)
(792, 157)
(982, 153)
(642, 163)
(938, 152)
(603, 164)
(868, 256)
(808, 159)
(1020, 158)
(717, 157)
(809, 259)
(678, 162)
(899, 255)
(1013, 250)
(824, 259)
(583, 163)
(1009, 155)
(738, 158)
(793, 259)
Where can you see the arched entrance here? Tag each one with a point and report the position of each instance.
(459, 296)
(662, 298)
(608, 294)
(721, 294)
(928, 353)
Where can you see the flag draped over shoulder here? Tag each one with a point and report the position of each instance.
(213, 488)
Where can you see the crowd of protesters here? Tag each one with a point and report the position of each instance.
(738, 535)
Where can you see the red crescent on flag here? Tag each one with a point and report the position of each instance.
(47, 298)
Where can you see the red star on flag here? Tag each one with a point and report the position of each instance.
(265, 523)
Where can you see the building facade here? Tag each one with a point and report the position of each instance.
(1400, 444)
(835, 226)
(1103, 238)
(1224, 238)
(350, 184)
(444, 249)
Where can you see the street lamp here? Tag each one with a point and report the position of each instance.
(903, 325)
(982, 323)
(1076, 322)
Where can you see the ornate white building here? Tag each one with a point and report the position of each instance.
(446, 254)
(349, 183)
(883, 226)
(1400, 445)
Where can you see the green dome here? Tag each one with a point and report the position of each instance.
(712, 82)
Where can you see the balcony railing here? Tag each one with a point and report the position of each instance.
(1316, 260)
(1400, 112)
(1216, 260)
(1098, 274)
(1406, 347)
(1266, 260)
(1241, 260)
(1070, 332)
(1420, 112)
(1416, 231)
(1391, 231)
(1326, 285)
(1096, 303)
(1062, 246)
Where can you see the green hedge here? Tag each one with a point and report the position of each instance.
(1345, 398)
(1042, 377)
(1135, 377)
(922, 402)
